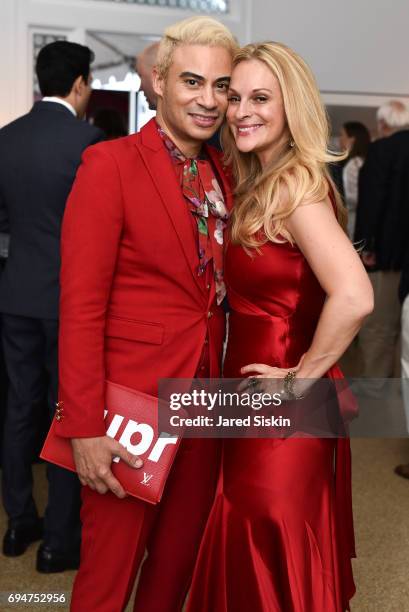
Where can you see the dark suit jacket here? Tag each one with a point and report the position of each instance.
(404, 279)
(383, 202)
(39, 156)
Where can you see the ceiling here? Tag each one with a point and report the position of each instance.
(115, 49)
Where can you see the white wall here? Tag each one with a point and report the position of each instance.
(20, 18)
(356, 46)
(7, 65)
(358, 49)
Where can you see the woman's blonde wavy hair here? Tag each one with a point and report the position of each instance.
(266, 197)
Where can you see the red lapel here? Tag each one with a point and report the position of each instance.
(159, 166)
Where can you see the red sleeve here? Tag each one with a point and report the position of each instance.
(89, 245)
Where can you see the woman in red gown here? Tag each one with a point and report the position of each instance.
(280, 534)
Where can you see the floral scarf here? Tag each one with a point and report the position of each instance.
(206, 202)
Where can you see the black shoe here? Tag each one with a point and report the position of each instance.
(50, 561)
(402, 470)
(17, 539)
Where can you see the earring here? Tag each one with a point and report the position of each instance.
(292, 143)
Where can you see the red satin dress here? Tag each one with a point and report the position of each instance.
(280, 534)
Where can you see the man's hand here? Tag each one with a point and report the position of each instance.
(93, 458)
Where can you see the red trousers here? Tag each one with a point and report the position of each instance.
(116, 532)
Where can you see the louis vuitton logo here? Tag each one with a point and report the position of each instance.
(146, 479)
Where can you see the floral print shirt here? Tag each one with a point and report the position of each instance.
(204, 197)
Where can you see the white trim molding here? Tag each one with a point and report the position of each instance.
(349, 98)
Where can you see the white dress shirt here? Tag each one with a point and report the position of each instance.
(60, 101)
(350, 177)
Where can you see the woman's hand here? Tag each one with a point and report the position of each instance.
(260, 372)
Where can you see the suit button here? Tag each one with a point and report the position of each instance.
(59, 411)
(209, 314)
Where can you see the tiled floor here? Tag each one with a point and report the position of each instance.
(381, 506)
(381, 509)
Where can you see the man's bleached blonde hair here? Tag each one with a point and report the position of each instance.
(266, 197)
(193, 31)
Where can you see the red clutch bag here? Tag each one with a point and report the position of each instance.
(132, 418)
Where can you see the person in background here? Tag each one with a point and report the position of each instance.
(40, 154)
(3, 374)
(335, 171)
(144, 64)
(110, 121)
(354, 138)
(382, 227)
(403, 469)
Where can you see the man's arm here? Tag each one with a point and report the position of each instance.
(91, 232)
(97, 136)
(89, 244)
(4, 232)
(4, 217)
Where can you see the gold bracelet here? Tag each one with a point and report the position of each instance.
(289, 380)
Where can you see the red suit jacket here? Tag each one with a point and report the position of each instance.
(132, 308)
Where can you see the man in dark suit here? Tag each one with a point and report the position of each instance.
(39, 153)
(382, 227)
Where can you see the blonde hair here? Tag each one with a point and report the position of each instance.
(265, 198)
(193, 31)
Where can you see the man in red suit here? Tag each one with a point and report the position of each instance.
(142, 288)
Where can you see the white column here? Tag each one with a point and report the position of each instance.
(8, 73)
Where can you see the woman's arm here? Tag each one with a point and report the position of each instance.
(342, 276)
